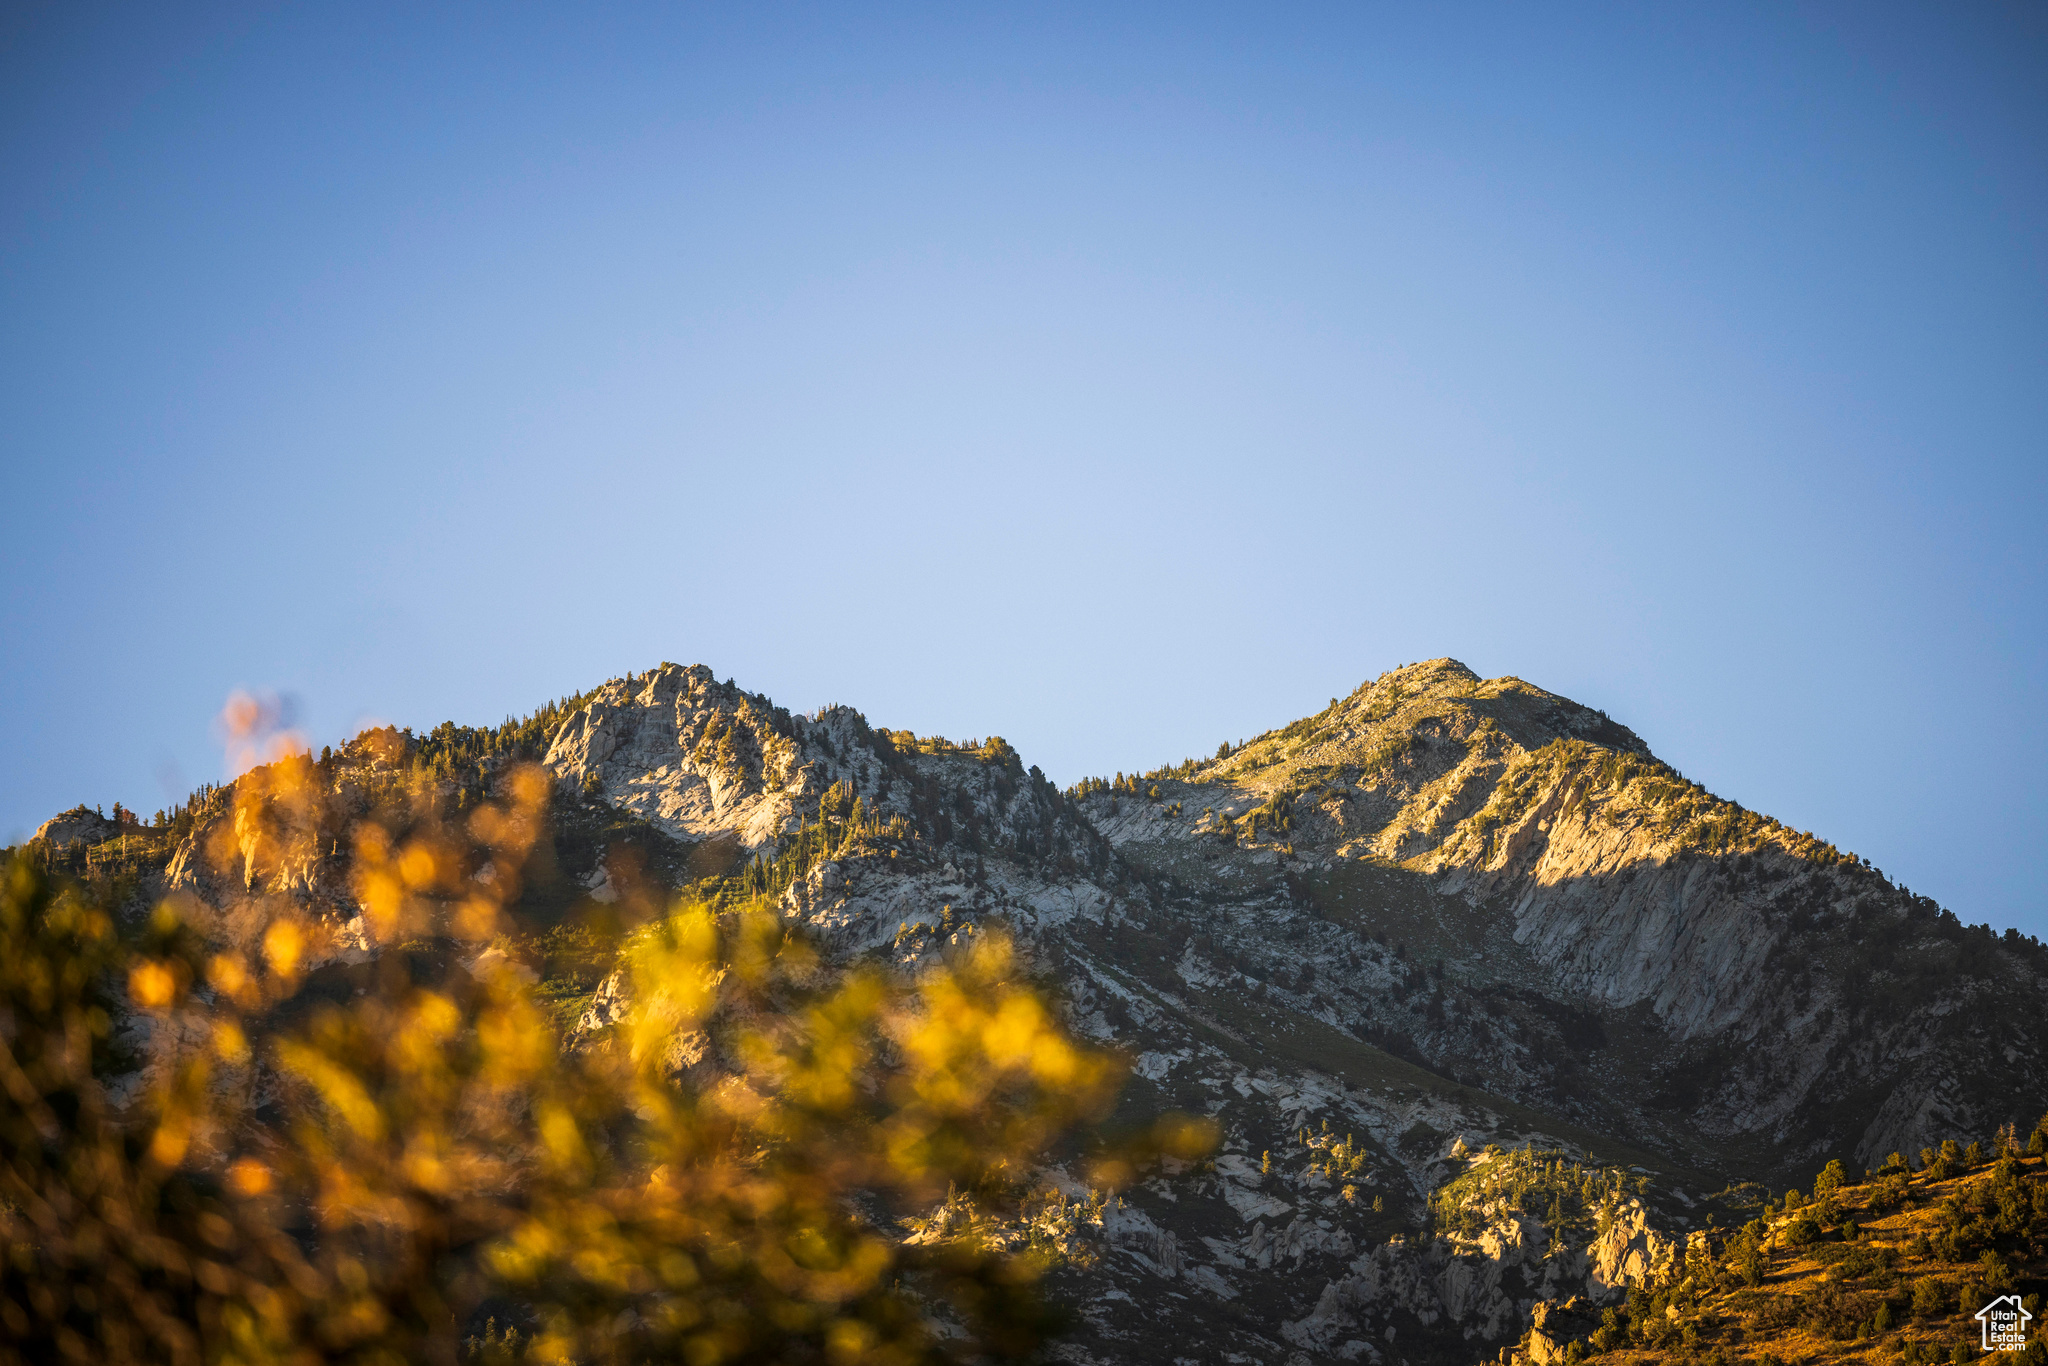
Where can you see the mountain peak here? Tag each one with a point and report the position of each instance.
(1437, 702)
(1446, 668)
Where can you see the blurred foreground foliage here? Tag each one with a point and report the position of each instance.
(312, 1176)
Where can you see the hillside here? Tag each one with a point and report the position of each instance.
(1894, 1267)
(1489, 1009)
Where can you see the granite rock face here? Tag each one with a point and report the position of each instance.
(694, 757)
(701, 759)
(1630, 1252)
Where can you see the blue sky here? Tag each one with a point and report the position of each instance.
(1117, 379)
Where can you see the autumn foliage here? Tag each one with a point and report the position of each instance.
(311, 1174)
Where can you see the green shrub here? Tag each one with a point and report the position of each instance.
(1931, 1295)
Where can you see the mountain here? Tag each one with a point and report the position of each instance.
(1492, 1009)
(1615, 941)
(1443, 914)
(1578, 927)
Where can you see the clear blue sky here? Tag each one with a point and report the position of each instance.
(1117, 379)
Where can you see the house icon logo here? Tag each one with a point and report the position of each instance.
(2005, 1324)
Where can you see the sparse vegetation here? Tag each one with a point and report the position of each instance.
(1892, 1268)
(1568, 1195)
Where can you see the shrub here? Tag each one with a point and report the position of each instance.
(1889, 1191)
(428, 1147)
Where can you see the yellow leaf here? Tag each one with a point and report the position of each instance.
(152, 985)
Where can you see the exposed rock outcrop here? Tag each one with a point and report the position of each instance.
(79, 825)
(1630, 1252)
(695, 757)
(1555, 1327)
